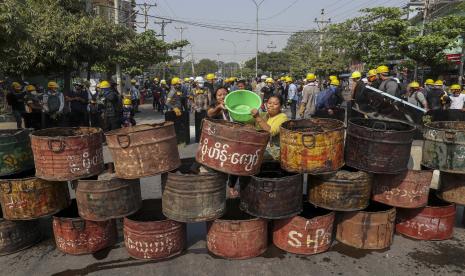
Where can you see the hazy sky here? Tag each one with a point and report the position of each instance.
(286, 16)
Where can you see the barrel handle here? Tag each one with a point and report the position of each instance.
(312, 144)
(78, 224)
(58, 149)
(267, 187)
(234, 226)
(449, 135)
(6, 187)
(128, 141)
(382, 124)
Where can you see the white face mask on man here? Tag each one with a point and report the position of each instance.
(200, 84)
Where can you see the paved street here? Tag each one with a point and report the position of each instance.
(405, 257)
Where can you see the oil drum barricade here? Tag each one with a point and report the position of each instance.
(76, 236)
(433, 222)
(372, 228)
(273, 193)
(18, 235)
(452, 188)
(143, 150)
(231, 148)
(343, 191)
(444, 146)
(312, 145)
(25, 197)
(108, 197)
(409, 189)
(192, 196)
(15, 151)
(310, 232)
(237, 235)
(64, 154)
(150, 235)
(378, 146)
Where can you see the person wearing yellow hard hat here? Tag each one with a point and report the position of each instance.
(33, 108)
(200, 102)
(53, 102)
(110, 103)
(211, 84)
(372, 77)
(174, 100)
(15, 99)
(267, 91)
(135, 95)
(437, 98)
(388, 84)
(292, 96)
(309, 93)
(327, 100)
(416, 96)
(127, 119)
(457, 99)
(175, 112)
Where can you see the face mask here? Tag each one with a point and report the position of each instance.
(200, 84)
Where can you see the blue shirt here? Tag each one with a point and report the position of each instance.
(292, 93)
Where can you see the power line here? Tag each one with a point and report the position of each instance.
(280, 12)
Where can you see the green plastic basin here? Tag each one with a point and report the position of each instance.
(239, 104)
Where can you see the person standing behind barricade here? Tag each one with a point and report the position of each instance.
(200, 103)
(78, 100)
(156, 95)
(267, 91)
(15, 99)
(135, 95)
(388, 84)
(127, 114)
(415, 96)
(53, 105)
(164, 88)
(186, 88)
(210, 84)
(372, 78)
(292, 97)
(33, 108)
(95, 110)
(309, 94)
(175, 113)
(457, 99)
(326, 101)
(110, 102)
(437, 98)
(429, 83)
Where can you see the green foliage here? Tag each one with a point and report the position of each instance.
(274, 62)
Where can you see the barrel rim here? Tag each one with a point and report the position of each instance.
(132, 130)
(428, 126)
(254, 218)
(275, 179)
(351, 122)
(14, 132)
(47, 130)
(228, 123)
(339, 128)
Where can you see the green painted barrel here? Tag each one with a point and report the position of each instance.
(15, 151)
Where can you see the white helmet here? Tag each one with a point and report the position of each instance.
(263, 77)
(191, 78)
(199, 80)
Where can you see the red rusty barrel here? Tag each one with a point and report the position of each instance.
(143, 150)
(24, 196)
(378, 146)
(17, 235)
(308, 233)
(108, 197)
(372, 228)
(433, 222)
(76, 236)
(237, 235)
(273, 193)
(148, 234)
(64, 154)
(231, 148)
(405, 190)
(452, 187)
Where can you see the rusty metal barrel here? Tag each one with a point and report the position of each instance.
(231, 148)
(24, 196)
(409, 189)
(378, 146)
(434, 222)
(444, 146)
(310, 232)
(452, 187)
(312, 145)
(15, 151)
(64, 154)
(108, 197)
(148, 234)
(18, 235)
(237, 235)
(77, 236)
(372, 228)
(345, 190)
(143, 150)
(273, 193)
(191, 195)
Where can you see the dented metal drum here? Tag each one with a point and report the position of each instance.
(452, 187)
(76, 236)
(65, 154)
(143, 150)
(231, 148)
(148, 234)
(310, 232)
(192, 196)
(346, 190)
(372, 228)
(237, 235)
(409, 189)
(378, 146)
(434, 222)
(18, 235)
(312, 145)
(273, 193)
(25, 197)
(15, 151)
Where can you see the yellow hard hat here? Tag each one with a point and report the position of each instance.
(414, 84)
(269, 80)
(133, 81)
(335, 82)
(104, 84)
(439, 83)
(356, 75)
(186, 79)
(127, 101)
(382, 69)
(372, 73)
(310, 77)
(15, 85)
(52, 84)
(30, 88)
(233, 79)
(332, 78)
(175, 81)
(282, 78)
(227, 80)
(211, 76)
(429, 82)
(455, 87)
(163, 82)
(288, 79)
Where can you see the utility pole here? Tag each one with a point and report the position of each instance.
(118, 67)
(181, 30)
(322, 24)
(257, 5)
(163, 24)
(192, 61)
(146, 8)
(218, 62)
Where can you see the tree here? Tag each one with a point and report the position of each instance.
(274, 62)
(205, 66)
